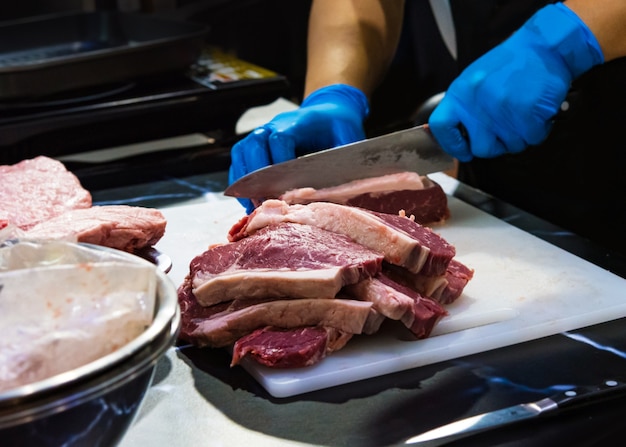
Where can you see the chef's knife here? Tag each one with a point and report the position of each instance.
(572, 398)
(413, 149)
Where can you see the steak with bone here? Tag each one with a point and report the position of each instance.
(407, 192)
(401, 240)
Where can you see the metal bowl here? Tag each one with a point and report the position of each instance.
(95, 404)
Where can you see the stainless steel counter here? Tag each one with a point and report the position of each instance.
(197, 399)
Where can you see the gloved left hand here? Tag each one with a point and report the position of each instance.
(330, 116)
(506, 100)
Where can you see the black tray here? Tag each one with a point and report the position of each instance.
(51, 54)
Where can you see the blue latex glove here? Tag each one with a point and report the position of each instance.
(506, 100)
(328, 117)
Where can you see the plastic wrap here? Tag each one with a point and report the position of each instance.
(63, 305)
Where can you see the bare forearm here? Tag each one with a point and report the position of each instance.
(607, 21)
(351, 42)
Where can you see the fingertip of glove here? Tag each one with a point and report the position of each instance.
(452, 140)
(282, 147)
(456, 145)
(256, 137)
(540, 133)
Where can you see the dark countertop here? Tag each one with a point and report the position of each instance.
(197, 397)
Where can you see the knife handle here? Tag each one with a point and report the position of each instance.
(580, 396)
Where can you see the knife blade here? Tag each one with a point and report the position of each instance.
(569, 399)
(413, 149)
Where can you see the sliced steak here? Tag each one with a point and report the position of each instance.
(39, 189)
(398, 302)
(384, 299)
(457, 275)
(289, 348)
(431, 254)
(402, 241)
(191, 312)
(431, 286)
(123, 227)
(225, 328)
(282, 260)
(425, 313)
(407, 192)
(445, 288)
(342, 193)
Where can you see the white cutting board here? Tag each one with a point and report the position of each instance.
(523, 289)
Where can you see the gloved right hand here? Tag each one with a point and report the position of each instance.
(330, 116)
(507, 99)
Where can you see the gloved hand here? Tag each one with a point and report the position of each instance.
(328, 117)
(506, 99)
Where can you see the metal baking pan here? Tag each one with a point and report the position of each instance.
(51, 54)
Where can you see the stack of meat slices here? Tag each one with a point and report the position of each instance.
(42, 200)
(296, 282)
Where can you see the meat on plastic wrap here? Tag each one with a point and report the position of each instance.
(63, 305)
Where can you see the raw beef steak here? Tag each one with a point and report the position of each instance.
(398, 302)
(193, 315)
(407, 192)
(127, 228)
(35, 190)
(297, 282)
(289, 348)
(402, 241)
(225, 328)
(283, 260)
(445, 288)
